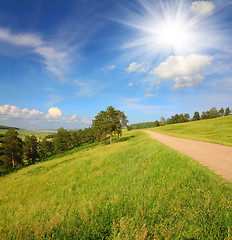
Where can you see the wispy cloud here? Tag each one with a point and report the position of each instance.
(21, 39)
(149, 95)
(86, 121)
(53, 99)
(87, 88)
(108, 68)
(142, 108)
(138, 67)
(54, 59)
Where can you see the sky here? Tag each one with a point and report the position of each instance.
(62, 62)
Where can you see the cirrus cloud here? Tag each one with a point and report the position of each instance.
(54, 59)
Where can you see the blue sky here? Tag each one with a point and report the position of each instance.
(61, 62)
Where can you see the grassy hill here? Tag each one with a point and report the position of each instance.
(217, 130)
(7, 127)
(134, 189)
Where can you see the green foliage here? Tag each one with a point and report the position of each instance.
(137, 189)
(46, 148)
(227, 111)
(142, 125)
(196, 116)
(13, 148)
(31, 149)
(62, 141)
(109, 122)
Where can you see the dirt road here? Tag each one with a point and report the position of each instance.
(214, 156)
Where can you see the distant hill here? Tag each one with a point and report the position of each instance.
(7, 127)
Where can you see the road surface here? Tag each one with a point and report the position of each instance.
(214, 156)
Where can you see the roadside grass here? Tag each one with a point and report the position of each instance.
(217, 130)
(134, 189)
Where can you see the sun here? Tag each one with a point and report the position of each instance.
(165, 28)
(172, 35)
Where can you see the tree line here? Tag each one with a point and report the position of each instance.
(183, 117)
(16, 152)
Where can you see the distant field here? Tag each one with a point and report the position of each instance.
(24, 133)
(217, 130)
(134, 189)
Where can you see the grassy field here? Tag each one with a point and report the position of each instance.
(24, 133)
(137, 189)
(134, 189)
(217, 130)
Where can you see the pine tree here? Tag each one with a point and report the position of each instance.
(31, 149)
(62, 140)
(12, 148)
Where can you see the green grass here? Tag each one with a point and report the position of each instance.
(217, 130)
(134, 189)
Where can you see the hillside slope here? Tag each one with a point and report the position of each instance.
(217, 130)
(134, 189)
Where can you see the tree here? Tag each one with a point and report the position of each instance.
(1, 150)
(113, 121)
(196, 116)
(99, 125)
(227, 111)
(108, 122)
(162, 121)
(204, 115)
(213, 113)
(12, 148)
(62, 140)
(122, 122)
(186, 117)
(157, 124)
(31, 149)
(46, 148)
(221, 112)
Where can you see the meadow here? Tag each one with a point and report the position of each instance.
(135, 189)
(217, 130)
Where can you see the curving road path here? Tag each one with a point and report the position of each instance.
(214, 156)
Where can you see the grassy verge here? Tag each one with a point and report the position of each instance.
(218, 130)
(136, 189)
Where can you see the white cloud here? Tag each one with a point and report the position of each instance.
(186, 71)
(54, 114)
(15, 112)
(130, 84)
(22, 39)
(202, 8)
(137, 67)
(53, 58)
